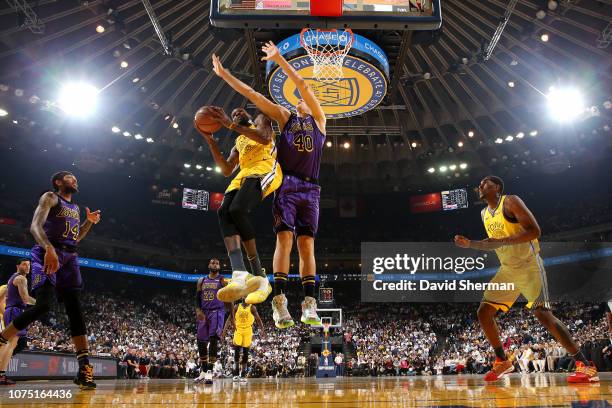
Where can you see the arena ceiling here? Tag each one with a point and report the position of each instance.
(441, 89)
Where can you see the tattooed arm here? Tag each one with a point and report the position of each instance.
(46, 202)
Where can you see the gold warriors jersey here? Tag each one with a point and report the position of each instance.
(498, 226)
(257, 160)
(244, 318)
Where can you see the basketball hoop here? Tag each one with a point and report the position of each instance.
(327, 50)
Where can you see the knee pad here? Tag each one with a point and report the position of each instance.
(214, 347)
(203, 349)
(22, 344)
(44, 298)
(75, 314)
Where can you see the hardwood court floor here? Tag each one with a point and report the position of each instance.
(543, 390)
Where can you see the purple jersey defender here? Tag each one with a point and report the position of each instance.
(62, 229)
(296, 202)
(213, 308)
(14, 304)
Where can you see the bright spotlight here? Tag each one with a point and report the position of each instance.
(544, 37)
(138, 136)
(187, 165)
(3, 112)
(218, 169)
(78, 99)
(175, 125)
(198, 166)
(329, 143)
(100, 29)
(533, 133)
(460, 144)
(150, 140)
(414, 144)
(509, 138)
(346, 145)
(499, 140)
(565, 104)
(127, 134)
(463, 166)
(431, 170)
(443, 169)
(471, 133)
(115, 129)
(124, 64)
(511, 84)
(208, 168)
(453, 167)
(520, 135)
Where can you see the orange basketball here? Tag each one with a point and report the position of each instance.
(205, 122)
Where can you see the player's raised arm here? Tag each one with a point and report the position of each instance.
(227, 166)
(305, 91)
(270, 109)
(262, 133)
(91, 219)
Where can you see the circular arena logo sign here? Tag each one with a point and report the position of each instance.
(362, 88)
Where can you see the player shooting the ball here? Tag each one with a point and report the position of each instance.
(296, 202)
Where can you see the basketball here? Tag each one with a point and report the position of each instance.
(204, 121)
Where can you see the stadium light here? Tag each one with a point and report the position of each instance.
(511, 84)
(115, 129)
(520, 135)
(175, 125)
(135, 80)
(198, 166)
(346, 145)
(463, 166)
(565, 104)
(453, 167)
(138, 136)
(3, 112)
(431, 170)
(460, 144)
(187, 165)
(471, 133)
(329, 143)
(443, 169)
(150, 140)
(499, 140)
(218, 169)
(544, 37)
(533, 133)
(124, 64)
(100, 28)
(78, 99)
(414, 144)
(509, 138)
(208, 168)
(127, 134)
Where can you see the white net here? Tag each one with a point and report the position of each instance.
(327, 50)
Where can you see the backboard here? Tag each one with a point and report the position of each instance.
(360, 14)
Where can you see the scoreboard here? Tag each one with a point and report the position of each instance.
(454, 199)
(195, 199)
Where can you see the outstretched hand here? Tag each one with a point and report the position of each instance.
(462, 241)
(93, 217)
(218, 66)
(271, 51)
(219, 115)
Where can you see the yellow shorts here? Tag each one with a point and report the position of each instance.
(271, 177)
(243, 338)
(529, 280)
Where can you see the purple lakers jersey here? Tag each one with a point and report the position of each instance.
(300, 147)
(13, 298)
(62, 225)
(209, 300)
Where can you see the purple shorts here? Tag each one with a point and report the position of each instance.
(10, 314)
(296, 207)
(67, 277)
(212, 326)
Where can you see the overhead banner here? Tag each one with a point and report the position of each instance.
(426, 203)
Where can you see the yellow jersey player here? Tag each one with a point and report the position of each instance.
(260, 175)
(513, 234)
(244, 317)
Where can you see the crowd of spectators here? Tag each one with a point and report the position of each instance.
(155, 338)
